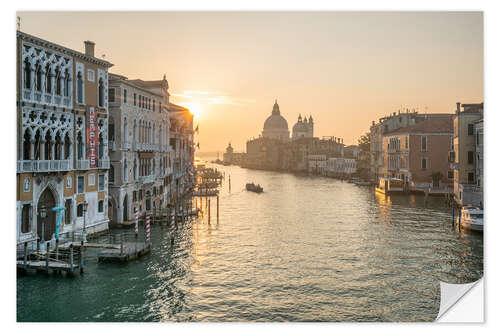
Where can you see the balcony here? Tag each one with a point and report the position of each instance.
(147, 179)
(83, 164)
(126, 146)
(103, 164)
(27, 94)
(451, 156)
(111, 145)
(43, 165)
(38, 96)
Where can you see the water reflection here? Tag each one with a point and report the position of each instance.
(308, 248)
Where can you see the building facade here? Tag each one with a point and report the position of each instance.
(467, 127)
(139, 141)
(417, 154)
(62, 151)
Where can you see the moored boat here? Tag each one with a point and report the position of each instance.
(254, 188)
(472, 218)
(389, 185)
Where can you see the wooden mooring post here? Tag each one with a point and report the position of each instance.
(81, 257)
(71, 265)
(57, 249)
(217, 208)
(47, 249)
(25, 260)
(208, 211)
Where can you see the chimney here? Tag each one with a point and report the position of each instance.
(458, 107)
(89, 48)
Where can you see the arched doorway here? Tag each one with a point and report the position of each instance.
(47, 223)
(125, 208)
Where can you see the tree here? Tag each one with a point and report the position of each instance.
(364, 142)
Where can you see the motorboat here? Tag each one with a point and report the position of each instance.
(472, 218)
(254, 188)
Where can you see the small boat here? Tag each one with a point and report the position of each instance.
(254, 188)
(472, 218)
(389, 185)
(362, 182)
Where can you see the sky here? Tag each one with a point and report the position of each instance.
(346, 69)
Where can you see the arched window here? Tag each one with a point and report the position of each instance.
(111, 174)
(58, 81)
(101, 93)
(135, 169)
(101, 147)
(48, 82)
(26, 145)
(66, 83)
(27, 74)
(79, 88)
(125, 130)
(79, 145)
(125, 171)
(38, 78)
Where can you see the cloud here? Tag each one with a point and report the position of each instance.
(212, 97)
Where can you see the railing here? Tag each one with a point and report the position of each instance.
(43, 165)
(57, 99)
(147, 179)
(112, 145)
(126, 145)
(27, 94)
(38, 96)
(83, 164)
(48, 98)
(103, 164)
(66, 101)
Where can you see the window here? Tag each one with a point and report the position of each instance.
(79, 210)
(27, 185)
(79, 88)
(90, 75)
(69, 182)
(124, 96)
(470, 157)
(81, 184)
(111, 132)
(135, 99)
(111, 174)
(101, 93)
(424, 163)
(111, 95)
(140, 194)
(27, 74)
(470, 129)
(154, 190)
(100, 206)
(153, 105)
(478, 141)
(26, 218)
(101, 182)
(134, 196)
(67, 211)
(450, 174)
(91, 179)
(406, 142)
(470, 177)
(424, 143)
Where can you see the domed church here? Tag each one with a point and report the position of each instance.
(275, 126)
(303, 128)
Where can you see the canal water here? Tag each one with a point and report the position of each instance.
(307, 249)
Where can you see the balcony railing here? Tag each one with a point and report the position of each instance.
(43, 165)
(103, 164)
(27, 94)
(38, 96)
(147, 179)
(111, 145)
(126, 146)
(83, 164)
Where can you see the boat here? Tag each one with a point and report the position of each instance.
(389, 185)
(254, 188)
(362, 182)
(472, 218)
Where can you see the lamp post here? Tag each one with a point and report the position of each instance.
(43, 215)
(84, 206)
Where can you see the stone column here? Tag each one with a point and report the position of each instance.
(42, 151)
(32, 149)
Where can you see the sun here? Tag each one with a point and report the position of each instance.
(195, 109)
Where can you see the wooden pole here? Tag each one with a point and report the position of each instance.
(47, 248)
(71, 265)
(121, 244)
(25, 263)
(57, 249)
(38, 245)
(208, 211)
(81, 257)
(217, 208)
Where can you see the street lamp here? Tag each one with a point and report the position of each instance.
(84, 206)
(43, 215)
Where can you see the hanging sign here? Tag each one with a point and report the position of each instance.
(92, 136)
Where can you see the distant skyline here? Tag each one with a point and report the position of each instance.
(346, 69)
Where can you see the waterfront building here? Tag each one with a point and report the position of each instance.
(467, 127)
(341, 167)
(417, 154)
(182, 142)
(231, 157)
(275, 126)
(62, 129)
(139, 141)
(317, 164)
(303, 128)
(264, 153)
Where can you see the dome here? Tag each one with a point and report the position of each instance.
(275, 121)
(300, 127)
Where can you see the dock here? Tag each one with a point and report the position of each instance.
(125, 252)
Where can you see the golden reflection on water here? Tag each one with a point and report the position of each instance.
(384, 206)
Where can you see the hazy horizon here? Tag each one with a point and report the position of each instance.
(343, 68)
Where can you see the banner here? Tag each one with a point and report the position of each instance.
(92, 137)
